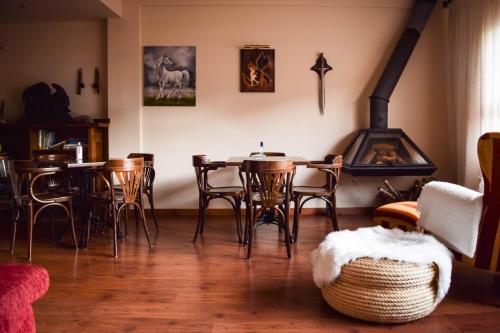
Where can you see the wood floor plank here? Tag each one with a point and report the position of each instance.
(209, 286)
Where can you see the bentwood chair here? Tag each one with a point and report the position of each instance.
(206, 193)
(268, 186)
(267, 154)
(31, 197)
(405, 215)
(5, 186)
(45, 159)
(149, 179)
(6, 197)
(128, 175)
(302, 194)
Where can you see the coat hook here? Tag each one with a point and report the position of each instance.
(95, 85)
(79, 84)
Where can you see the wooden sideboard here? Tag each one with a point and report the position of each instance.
(20, 140)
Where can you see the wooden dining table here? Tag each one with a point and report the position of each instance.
(238, 160)
(84, 164)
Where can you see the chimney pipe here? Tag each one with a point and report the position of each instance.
(379, 100)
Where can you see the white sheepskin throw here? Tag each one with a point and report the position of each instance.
(452, 213)
(342, 247)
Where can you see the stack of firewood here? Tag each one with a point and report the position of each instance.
(390, 194)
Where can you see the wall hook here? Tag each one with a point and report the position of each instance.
(79, 84)
(95, 85)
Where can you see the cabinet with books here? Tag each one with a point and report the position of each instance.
(21, 141)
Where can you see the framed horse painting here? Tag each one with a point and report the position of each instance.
(257, 70)
(169, 76)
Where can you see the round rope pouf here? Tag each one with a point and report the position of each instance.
(383, 291)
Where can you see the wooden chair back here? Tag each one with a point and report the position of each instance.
(488, 243)
(202, 165)
(129, 175)
(148, 158)
(5, 166)
(46, 158)
(333, 169)
(201, 177)
(5, 183)
(29, 178)
(149, 171)
(16, 180)
(271, 179)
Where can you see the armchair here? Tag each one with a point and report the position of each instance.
(487, 253)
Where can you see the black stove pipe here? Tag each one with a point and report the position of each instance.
(379, 100)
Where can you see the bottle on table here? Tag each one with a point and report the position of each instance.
(79, 152)
(261, 148)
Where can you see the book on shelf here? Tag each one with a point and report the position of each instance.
(46, 139)
(68, 144)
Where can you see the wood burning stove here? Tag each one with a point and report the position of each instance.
(383, 151)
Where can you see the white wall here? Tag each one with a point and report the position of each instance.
(52, 52)
(357, 38)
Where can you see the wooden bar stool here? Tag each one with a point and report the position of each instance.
(331, 166)
(206, 193)
(31, 197)
(268, 185)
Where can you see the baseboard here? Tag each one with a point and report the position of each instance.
(228, 211)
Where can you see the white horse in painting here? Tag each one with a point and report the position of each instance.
(178, 79)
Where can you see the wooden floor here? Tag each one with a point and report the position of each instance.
(210, 287)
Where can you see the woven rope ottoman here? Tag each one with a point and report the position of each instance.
(382, 275)
(384, 291)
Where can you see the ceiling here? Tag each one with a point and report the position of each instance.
(12, 11)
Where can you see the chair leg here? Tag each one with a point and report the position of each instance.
(126, 220)
(30, 229)
(115, 232)
(198, 225)
(287, 232)
(203, 210)
(136, 215)
(237, 211)
(247, 218)
(72, 221)
(15, 218)
(143, 216)
(53, 233)
(152, 205)
(333, 213)
(296, 213)
(250, 233)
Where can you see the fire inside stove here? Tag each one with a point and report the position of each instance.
(391, 153)
(385, 152)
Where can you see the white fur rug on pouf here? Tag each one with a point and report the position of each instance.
(342, 247)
